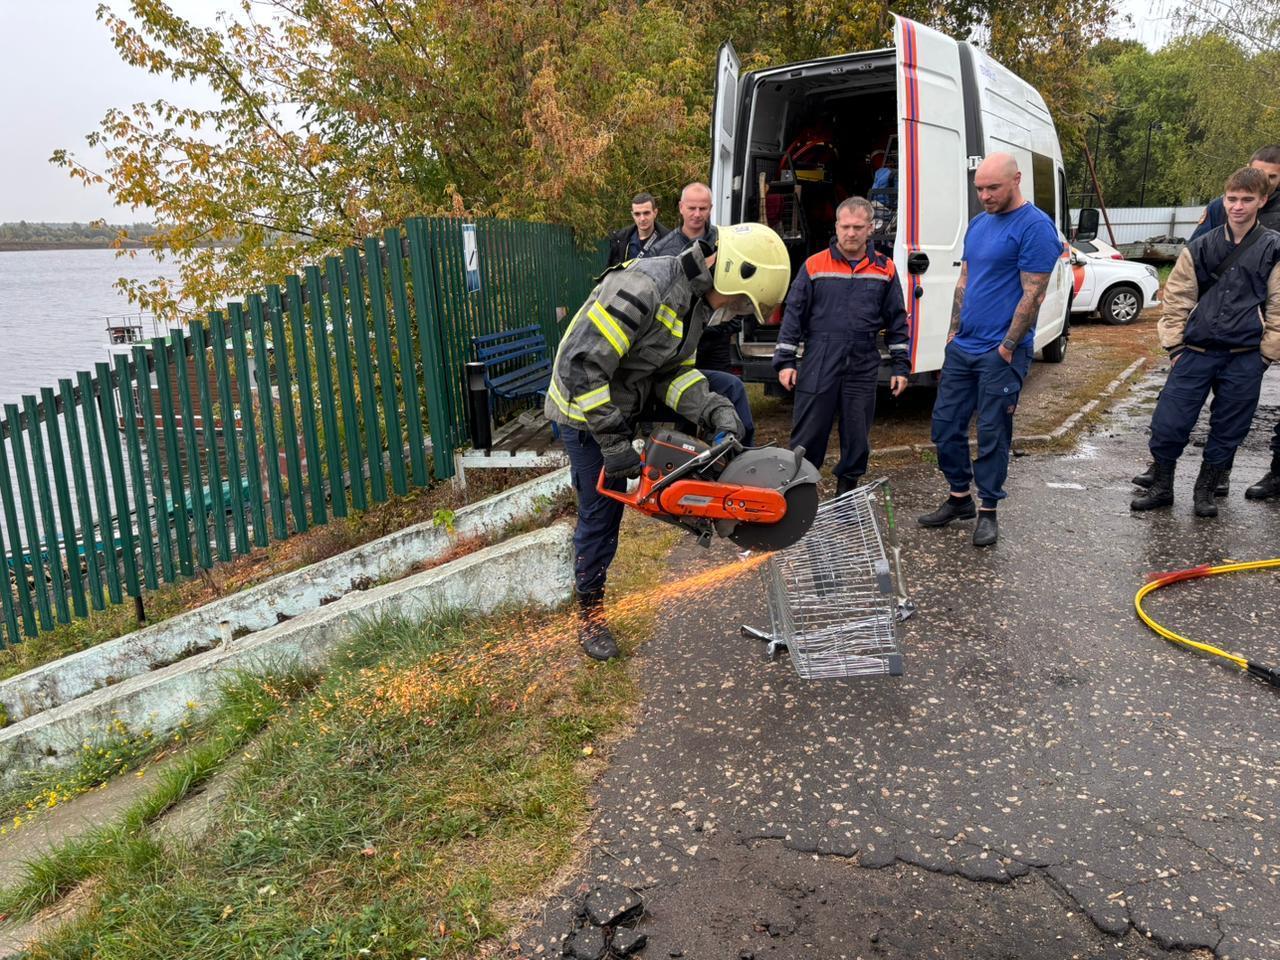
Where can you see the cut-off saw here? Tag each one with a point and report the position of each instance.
(761, 498)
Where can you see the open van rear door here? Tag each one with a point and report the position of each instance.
(724, 121)
(933, 191)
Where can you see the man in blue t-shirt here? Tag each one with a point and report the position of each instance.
(1010, 253)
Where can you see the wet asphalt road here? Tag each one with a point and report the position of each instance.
(1049, 779)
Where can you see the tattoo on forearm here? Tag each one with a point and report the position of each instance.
(1034, 286)
(957, 299)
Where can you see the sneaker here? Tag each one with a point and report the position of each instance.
(953, 508)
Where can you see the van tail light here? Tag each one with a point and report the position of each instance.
(1117, 256)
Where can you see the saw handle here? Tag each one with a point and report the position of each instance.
(706, 457)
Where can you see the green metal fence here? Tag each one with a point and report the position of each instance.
(304, 402)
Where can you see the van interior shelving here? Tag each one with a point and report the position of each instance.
(817, 136)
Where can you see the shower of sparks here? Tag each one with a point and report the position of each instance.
(538, 657)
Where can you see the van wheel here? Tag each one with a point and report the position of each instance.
(1121, 304)
(1055, 351)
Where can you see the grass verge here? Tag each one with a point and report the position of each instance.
(248, 704)
(432, 504)
(439, 773)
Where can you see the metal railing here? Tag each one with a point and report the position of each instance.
(302, 403)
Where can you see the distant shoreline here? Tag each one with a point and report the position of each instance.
(18, 246)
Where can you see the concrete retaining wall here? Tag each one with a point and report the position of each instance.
(534, 568)
(280, 598)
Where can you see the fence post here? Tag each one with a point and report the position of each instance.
(429, 341)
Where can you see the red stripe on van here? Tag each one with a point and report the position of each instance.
(911, 156)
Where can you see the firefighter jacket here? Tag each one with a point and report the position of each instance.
(675, 242)
(635, 339)
(832, 299)
(620, 242)
(1240, 311)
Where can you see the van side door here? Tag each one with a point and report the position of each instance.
(724, 134)
(933, 191)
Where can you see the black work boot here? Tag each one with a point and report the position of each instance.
(1147, 477)
(1268, 488)
(593, 631)
(845, 484)
(1160, 493)
(953, 508)
(1224, 483)
(1206, 483)
(986, 532)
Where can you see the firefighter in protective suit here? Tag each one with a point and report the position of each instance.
(633, 341)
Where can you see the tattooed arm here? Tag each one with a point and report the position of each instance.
(957, 300)
(1034, 286)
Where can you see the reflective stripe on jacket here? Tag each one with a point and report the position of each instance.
(634, 339)
(832, 297)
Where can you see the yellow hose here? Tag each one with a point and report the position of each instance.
(1253, 668)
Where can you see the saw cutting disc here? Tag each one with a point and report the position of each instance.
(802, 508)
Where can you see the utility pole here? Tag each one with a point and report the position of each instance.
(1146, 156)
(1102, 204)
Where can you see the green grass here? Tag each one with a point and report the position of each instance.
(434, 503)
(353, 827)
(248, 704)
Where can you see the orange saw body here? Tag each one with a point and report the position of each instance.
(762, 498)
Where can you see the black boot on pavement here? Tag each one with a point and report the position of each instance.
(1206, 484)
(1160, 493)
(845, 484)
(1268, 488)
(986, 532)
(1146, 478)
(593, 631)
(953, 508)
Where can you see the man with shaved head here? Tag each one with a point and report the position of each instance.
(1010, 253)
(714, 356)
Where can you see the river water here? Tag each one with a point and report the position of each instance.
(53, 309)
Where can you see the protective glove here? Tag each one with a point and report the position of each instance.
(621, 462)
(724, 420)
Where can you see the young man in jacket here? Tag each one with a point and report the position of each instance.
(637, 239)
(1221, 326)
(633, 340)
(840, 302)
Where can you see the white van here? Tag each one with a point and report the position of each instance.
(905, 127)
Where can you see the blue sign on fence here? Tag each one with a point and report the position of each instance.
(471, 255)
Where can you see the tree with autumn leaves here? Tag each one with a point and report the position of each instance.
(341, 117)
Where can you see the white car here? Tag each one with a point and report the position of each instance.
(1097, 250)
(1117, 290)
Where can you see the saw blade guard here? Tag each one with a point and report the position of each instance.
(785, 471)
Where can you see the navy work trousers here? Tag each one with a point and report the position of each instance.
(985, 383)
(837, 374)
(595, 538)
(1235, 379)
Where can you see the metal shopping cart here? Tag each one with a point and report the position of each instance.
(836, 600)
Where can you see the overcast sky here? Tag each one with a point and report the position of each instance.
(59, 74)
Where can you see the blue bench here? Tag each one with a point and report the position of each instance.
(516, 365)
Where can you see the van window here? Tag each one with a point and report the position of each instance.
(1044, 186)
